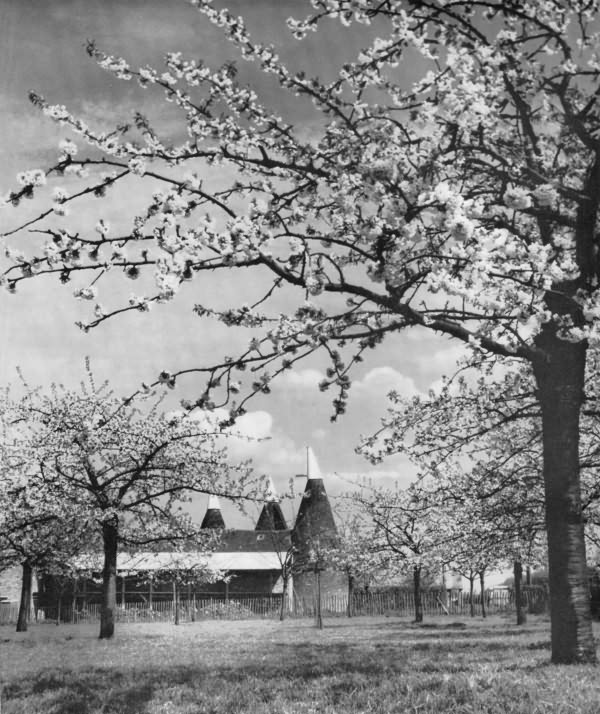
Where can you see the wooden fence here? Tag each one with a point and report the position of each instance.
(393, 602)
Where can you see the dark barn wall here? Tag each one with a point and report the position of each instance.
(137, 589)
(332, 583)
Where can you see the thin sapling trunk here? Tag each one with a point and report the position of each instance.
(350, 608)
(518, 576)
(482, 588)
(417, 593)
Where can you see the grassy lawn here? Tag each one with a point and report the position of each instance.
(380, 665)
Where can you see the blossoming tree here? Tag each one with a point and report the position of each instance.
(411, 529)
(37, 532)
(477, 442)
(124, 471)
(464, 202)
(358, 553)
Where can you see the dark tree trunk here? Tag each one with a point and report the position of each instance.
(518, 577)
(109, 580)
(24, 605)
(417, 593)
(350, 608)
(319, 614)
(560, 379)
(74, 603)
(482, 589)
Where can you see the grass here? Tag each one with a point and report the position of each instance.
(382, 665)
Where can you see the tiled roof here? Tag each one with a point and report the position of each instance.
(253, 541)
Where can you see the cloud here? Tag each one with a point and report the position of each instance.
(380, 381)
(399, 477)
(300, 379)
(255, 425)
(254, 436)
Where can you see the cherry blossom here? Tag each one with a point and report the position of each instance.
(124, 473)
(464, 202)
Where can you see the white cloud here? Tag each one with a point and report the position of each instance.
(380, 381)
(255, 436)
(399, 477)
(300, 379)
(255, 425)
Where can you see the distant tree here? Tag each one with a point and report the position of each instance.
(358, 552)
(464, 202)
(272, 520)
(178, 568)
(126, 471)
(477, 443)
(410, 527)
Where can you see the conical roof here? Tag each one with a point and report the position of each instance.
(315, 525)
(213, 517)
(271, 517)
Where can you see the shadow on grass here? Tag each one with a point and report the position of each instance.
(284, 671)
(83, 692)
(279, 669)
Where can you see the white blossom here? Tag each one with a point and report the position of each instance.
(89, 293)
(67, 147)
(60, 195)
(517, 198)
(33, 177)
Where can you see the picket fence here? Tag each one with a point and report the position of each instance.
(394, 602)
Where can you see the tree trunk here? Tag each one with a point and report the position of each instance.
(176, 602)
(518, 577)
(482, 589)
(445, 599)
(24, 605)
(74, 603)
(109, 580)
(350, 608)
(284, 592)
(471, 593)
(560, 379)
(319, 614)
(417, 593)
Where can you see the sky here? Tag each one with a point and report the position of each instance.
(42, 49)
